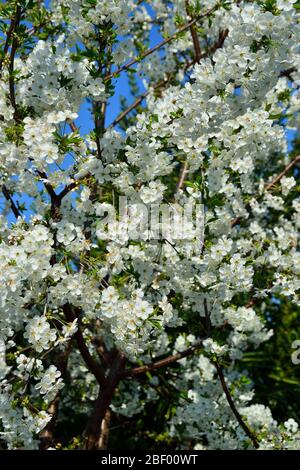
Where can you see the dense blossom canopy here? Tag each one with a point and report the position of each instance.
(91, 325)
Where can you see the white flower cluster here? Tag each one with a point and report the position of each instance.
(24, 256)
(20, 425)
(76, 289)
(127, 319)
(55, 81)
(215, 136)
(50, 383)
(98, 13)
(39, 333)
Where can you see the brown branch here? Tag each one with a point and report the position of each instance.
(98, 126)
(130, 108)
(287, 73)
(194, 35)
(196, 44)
(8, 38)
(270, 185)
(93, 366)
(14, 46)
(182, 175)
(47, 434)
(135, 104)
(72, 125)
(217, 45)
(55, 201)
(67, 189)
(94, 426)
(163, 362)
(283, 173)
(159, 45)
(34, 29)
(103, 441)
(54, 197)
(222, 36)
(234, 410)
(107, 357)
(9, 198)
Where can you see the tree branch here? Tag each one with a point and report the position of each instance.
(234, 410)
(13, 51)
(10, 32)
(270, 185)
(94, 426)
(67, 189)
(123, 114)
(182, 176)
(93, 366)
(47, 434)
(134, 105)
(283, 173)
(9, 198)
(54, 197)
(72, 125)
(160, 44)
(197, 47)
(163, 362)
(103, 441)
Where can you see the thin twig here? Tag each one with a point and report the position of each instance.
(286, 170)
(34, 29)
(135, 104)
(234, 410)
(182, 175)
(163, 362)
(72, 125)
(159, 45)
(13, 51)
(90, 362)
(270, 185)
(123, 114)
(9, 198)
(8, 38)
(195, 38)
(198, 53)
